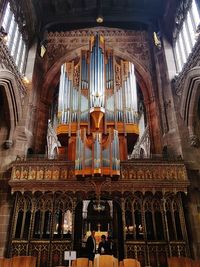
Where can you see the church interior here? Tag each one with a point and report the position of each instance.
(100, 129)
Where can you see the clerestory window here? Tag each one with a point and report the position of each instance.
(187, 36)
(15, 41)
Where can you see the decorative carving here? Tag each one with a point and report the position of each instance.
(8, 144)
(48, 174)
(52, 142)
(25, 173)
(153, 171)
(16, 174)
(40, 174)
(55, 174)
(194, 141)
(118, 75)
(142, 143)
(39, 170)
(64, 174)
(76, 75)
(7, 62)
(192, 61)
(129, 42)
(32, 175)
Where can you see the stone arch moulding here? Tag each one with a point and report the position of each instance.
(7, 81)
(189, 103)
(143, 77)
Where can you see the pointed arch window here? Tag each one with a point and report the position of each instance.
(177, 221)
(187, 36)
(19, 224)
(27, 224)
(15, 41)
(67, 224)
(37, 224)
(58, 223)
(138, 220)
(47, 224)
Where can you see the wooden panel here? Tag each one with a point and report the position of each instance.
(195, 263)
(80, 262)
(106, 261)
(179, 262)
(24, 261)
(131, 263)
(132, 128)
(4, 262)
(64, 128)
(7, 262)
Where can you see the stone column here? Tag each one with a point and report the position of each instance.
(5, 209)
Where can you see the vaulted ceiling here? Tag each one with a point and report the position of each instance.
(58, 15)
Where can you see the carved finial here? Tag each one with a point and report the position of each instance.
(8, 144)
(194, 141)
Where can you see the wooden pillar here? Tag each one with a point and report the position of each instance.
(73, 219)
(123, 225)
(166, 230)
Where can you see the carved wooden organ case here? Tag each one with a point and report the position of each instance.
(97, 110)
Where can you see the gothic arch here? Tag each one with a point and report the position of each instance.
(190, 99)
(143, 78)
(12, 95)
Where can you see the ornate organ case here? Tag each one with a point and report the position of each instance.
(97, 110)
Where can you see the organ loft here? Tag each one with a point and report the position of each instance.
(99, 130)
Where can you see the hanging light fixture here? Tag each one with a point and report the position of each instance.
(99, 18)
(99, 205)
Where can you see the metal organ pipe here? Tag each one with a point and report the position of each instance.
(97, 152)
(97, 75)
(79, 151)
(93, 84)
(130, 94)
(115, 151)
(84, 72)
(61, 94)
(109, 72)
(102, 79)
(84, 102)
(134, 93)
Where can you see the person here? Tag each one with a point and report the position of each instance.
(91, 246)
(68, 235)
(103, 246)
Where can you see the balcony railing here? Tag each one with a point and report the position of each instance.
(36, 172)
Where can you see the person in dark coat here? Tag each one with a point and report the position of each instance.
(103, 246)
(91, 246)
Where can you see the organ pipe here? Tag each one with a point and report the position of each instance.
(97, 151)
(97, 89)
(97, 99)
(109, 71)
(84, 71)
(115, 151)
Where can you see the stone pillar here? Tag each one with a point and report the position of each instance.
(5, 209)
(193, 220)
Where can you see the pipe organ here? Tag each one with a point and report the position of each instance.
(97, 110)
